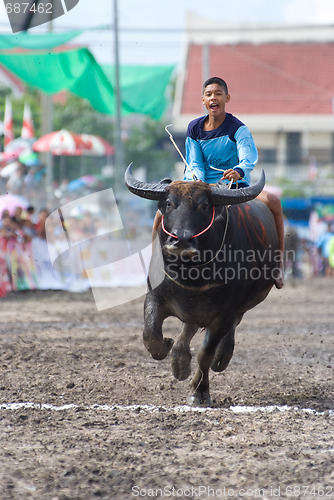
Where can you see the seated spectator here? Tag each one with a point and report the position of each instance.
(5, 213)
(7, 229)
(18, 216)
(29, 225)
(5, 233)
(40, 226)
(323, 249)
(15, 183)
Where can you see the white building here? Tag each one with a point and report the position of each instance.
(281, 82)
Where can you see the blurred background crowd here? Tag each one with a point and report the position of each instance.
(65, 139)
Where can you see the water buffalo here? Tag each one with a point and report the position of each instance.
(215, 258)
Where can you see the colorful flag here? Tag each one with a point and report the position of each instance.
(28, 131)
(8, 127)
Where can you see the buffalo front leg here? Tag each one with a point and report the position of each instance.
(200, 382)
(153, 339)
(224, 351)
(181, 357)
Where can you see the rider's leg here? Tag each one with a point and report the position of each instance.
(274, 203)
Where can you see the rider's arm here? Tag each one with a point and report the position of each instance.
(195, 160)
(247, 152)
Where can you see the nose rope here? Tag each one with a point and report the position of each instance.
(195, 235)
(204, 263)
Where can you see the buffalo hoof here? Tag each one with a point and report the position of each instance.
(279, 277)
(162, 353)
(201, 400)
(279, 283)
(181, 362)
(219, 365)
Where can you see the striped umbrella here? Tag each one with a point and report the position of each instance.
(64, 142)
(61, 142)
(97, 146)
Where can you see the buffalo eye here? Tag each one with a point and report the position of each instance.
(166, 206)
(170, 204)
(205, 206)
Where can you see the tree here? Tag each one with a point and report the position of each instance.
(77, 115)
(148, 147)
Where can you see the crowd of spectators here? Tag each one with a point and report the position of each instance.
(28, 182)
(16, 234)
(23, 224)
(17, 230)
(309, 258)
(325, 248)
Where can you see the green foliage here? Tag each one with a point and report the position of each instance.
(292, 189)
(4, 91)
(146, 147)
(77, 115)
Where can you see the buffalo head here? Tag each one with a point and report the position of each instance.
(218, 193)
(189, 208)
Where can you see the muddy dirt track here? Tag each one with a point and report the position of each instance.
(57, 350)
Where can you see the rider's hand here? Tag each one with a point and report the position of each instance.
(231, 175)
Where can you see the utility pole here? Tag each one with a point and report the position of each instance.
(46, 128)
(45, 101)
(119, 148)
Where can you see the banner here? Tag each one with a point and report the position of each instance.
(28, 131)
(27, 266)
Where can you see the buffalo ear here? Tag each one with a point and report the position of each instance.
(166, 181)
(162, 206)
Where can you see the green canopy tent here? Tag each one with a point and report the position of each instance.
(143, 88)
(43, 66)
(36, 42)
(73, 70)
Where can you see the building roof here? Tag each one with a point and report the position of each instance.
(7, 79)
(266, 78)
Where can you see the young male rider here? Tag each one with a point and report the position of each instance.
(219, 146)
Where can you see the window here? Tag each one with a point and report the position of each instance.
(293, 148)
(267, 155)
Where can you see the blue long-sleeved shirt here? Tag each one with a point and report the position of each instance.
(231, 145)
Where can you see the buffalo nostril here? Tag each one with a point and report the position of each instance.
(182, 237)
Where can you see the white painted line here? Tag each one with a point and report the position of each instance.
(270, 409)
(154, 409)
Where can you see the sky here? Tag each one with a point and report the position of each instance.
(153, 32)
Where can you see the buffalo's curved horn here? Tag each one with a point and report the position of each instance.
(150, 190)
(222, 196)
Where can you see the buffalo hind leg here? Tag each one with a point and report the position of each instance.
(153, 339)
(274, 203)
(224, 352)
(181, 357)
(200, 382)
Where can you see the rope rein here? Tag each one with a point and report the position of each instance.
(193, 175)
